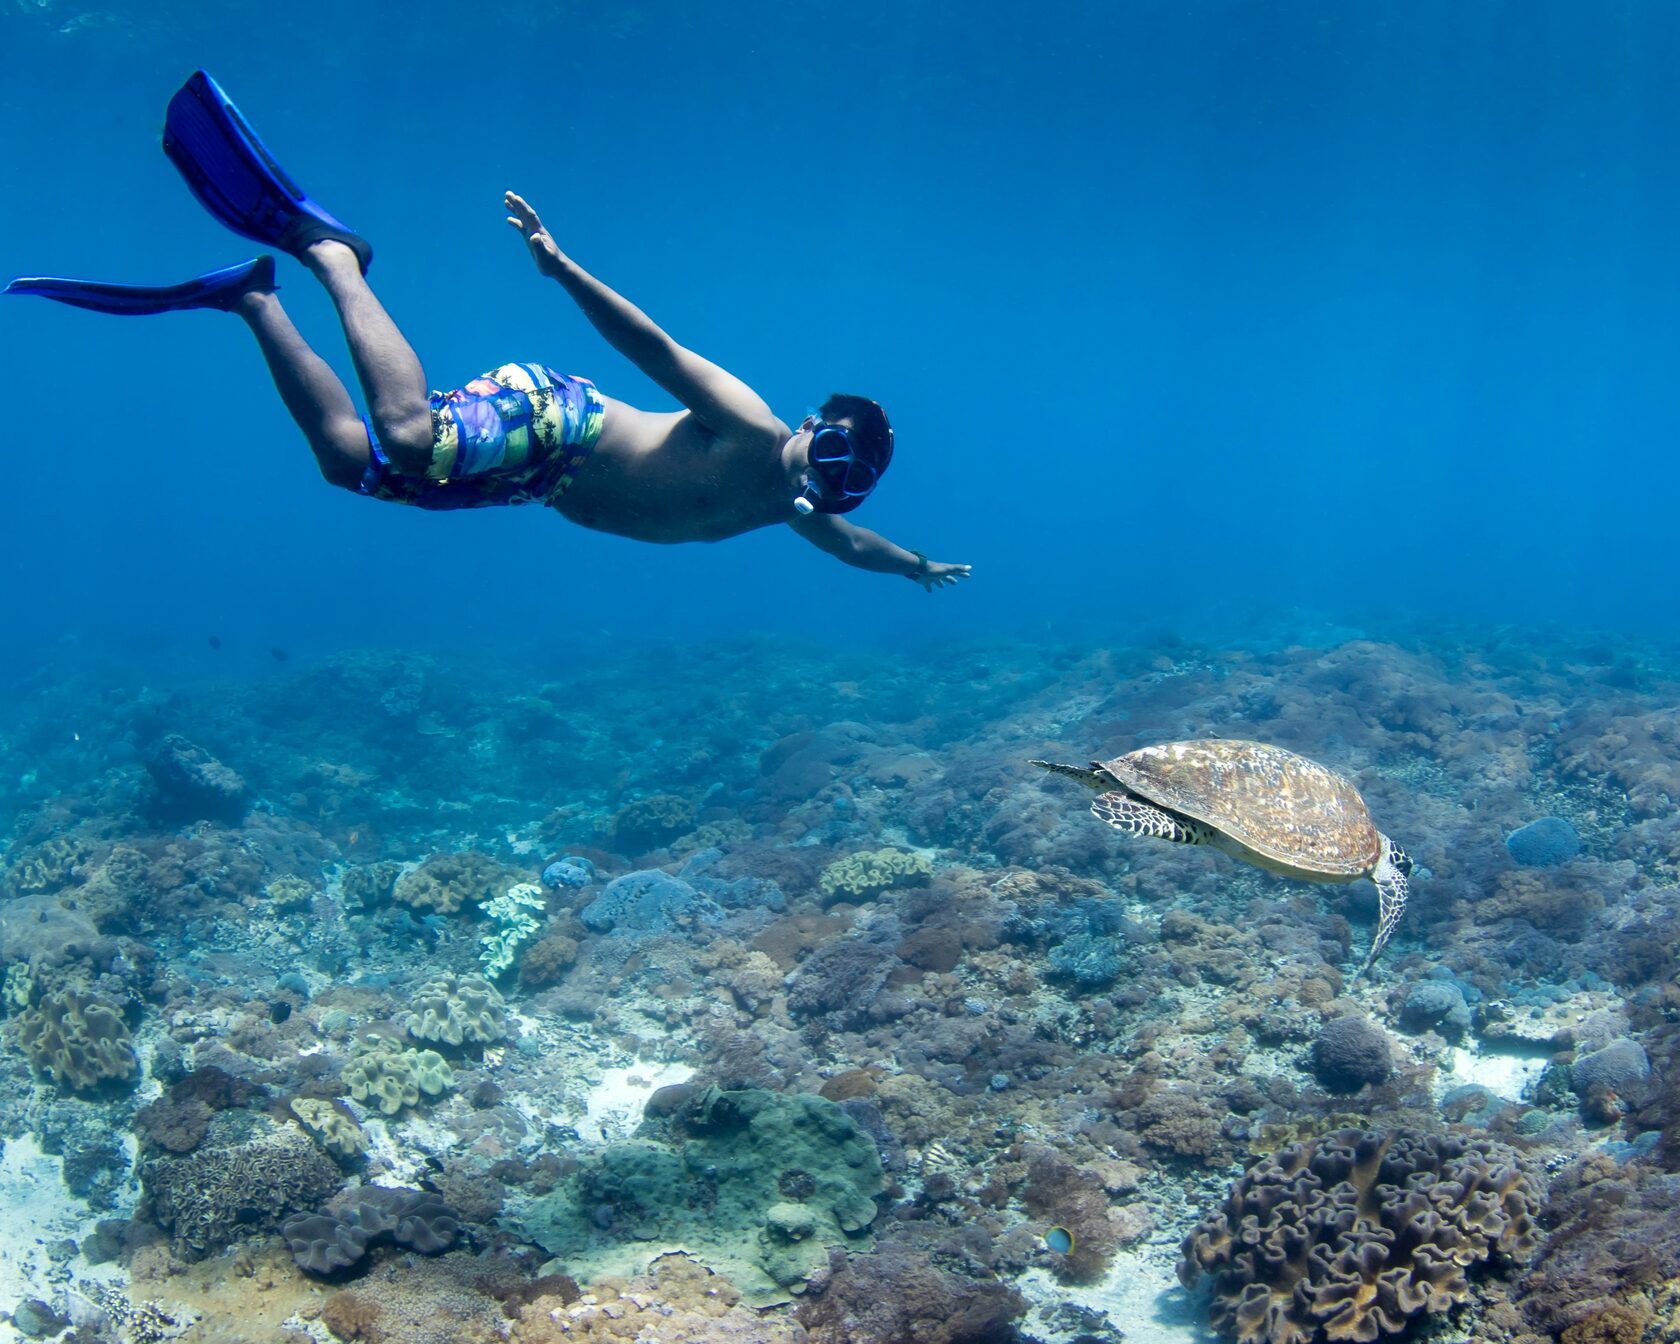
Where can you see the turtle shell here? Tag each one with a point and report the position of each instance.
(1280, 805)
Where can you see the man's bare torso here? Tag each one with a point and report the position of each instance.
(664, 477)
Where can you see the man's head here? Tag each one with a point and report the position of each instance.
(848, 445)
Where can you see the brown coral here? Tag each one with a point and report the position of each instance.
(353, 1318)
(1352, 1235)
(445, 882)
(77, 1039)
(547, 960)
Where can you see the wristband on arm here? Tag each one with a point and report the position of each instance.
(921, 565)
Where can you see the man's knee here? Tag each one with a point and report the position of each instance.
(342, 452)
(406, 442)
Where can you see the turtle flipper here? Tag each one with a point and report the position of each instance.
(1128, 814)
(1391, 876)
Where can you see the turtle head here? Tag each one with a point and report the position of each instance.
(1399, 858)
(1096, 777)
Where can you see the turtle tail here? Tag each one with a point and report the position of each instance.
(1094, 778)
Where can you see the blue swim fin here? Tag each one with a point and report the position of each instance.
(214, 289)
(238, 181)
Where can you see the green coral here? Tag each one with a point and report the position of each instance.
(458, 1010)
(865, 875)
(47, 867)
(290, 893)
(757, 1185)
(18, 987)
(368, 884)
(387, 1079)
(648, 823)
(78, 1040)
(446, 882)
(518, 914)
(335, 1131)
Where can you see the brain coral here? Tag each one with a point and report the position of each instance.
(212, 1197)
(456, 1010)
(77, 1039)
(446, 882)
(865, 875)
(1350, 1236)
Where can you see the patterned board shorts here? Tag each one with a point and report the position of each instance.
(517, 435)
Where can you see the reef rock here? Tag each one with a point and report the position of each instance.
(192, 785)
(1540, 844)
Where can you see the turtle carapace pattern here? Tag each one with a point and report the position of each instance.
(1259, 803)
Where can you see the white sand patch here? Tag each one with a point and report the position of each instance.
(616, 1102)
(39, 1211)
(1140, 1295)
(1504, 1073)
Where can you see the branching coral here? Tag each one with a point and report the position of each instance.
(865, 875)
(1353, 1235)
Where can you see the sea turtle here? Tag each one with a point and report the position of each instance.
(1259, 803)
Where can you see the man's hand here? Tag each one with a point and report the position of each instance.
(936, 574)
(551, 261)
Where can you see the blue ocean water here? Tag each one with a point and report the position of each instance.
(1175, 307)
(1294, 371)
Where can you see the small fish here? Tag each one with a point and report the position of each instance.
(279, 655)
(353, 837)
(215, 641)
(1059, 1240)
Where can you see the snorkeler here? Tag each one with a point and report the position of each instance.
(522, 433)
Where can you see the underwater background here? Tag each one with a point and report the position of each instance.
(469, 927)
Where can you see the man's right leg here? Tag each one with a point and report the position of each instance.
(386, 365)
(312, 392)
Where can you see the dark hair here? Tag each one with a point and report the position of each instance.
(872, 436)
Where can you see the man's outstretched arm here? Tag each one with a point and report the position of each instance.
(863, 549)
(719, 400)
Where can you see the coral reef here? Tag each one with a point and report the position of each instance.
(648, 823)
(817, 876)
(865, 875)
(77, 1040)
(192, 785)
(1544, 843)
(388, 1079)
(648, 901)
(516, 915)
(1353, 1235)
(757, 1185)
(215, 1196)
(904, 1299)
(457, 1010)
(328, 1241)
(445, 882)
(332, 1128)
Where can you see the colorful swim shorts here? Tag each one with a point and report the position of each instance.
(515, 436)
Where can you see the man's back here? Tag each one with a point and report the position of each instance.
(663, 476)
